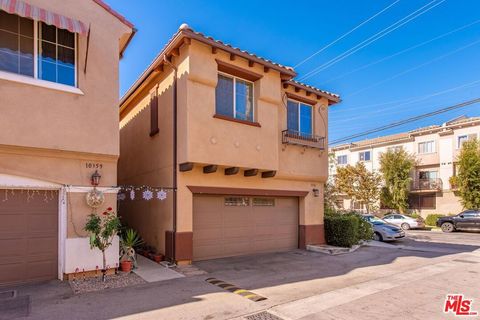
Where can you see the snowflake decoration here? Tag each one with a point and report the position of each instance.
(121, 196)
(161, 195)
(147, 195)
(132, 194)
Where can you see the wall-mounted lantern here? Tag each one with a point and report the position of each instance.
(95, 179)
(316, 193)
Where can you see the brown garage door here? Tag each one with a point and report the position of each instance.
(28, 236)
(226, 226)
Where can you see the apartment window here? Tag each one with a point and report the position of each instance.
(16, 44)
(426, 147)
(37, 50)
(300, 118)
(237, 202)
(395, 148)
(364, 156)
(234, 97)
(427, 175)
(341, 160)
(461, 139)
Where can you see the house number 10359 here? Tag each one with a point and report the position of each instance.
(92, 165)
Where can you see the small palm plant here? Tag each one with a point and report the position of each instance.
(102, 230)
(128, 242)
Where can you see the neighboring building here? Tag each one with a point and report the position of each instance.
(435, 148)
(248, 158)
(58, 124)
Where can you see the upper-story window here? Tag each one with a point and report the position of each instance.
(364, 156)
(461, 139)
(234, 97)
(38, 50)
(300, 118)
(395, 148)
(341, 160)
(426, 147)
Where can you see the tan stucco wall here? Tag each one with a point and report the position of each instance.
(203, 139)
(45, 118)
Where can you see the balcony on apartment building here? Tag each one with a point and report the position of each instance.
(303, 139)
(426, 185)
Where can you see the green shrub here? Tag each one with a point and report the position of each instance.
(431, 219)
(346, 230)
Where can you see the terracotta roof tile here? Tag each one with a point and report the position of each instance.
(331, 95)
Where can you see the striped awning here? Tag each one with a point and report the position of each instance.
(26, 10)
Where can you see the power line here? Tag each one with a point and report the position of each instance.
(401, 52)
(402, 122)
(346, 34)
(413, 68)
(415, 100)
(373, 38)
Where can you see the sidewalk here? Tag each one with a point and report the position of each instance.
(151, 271)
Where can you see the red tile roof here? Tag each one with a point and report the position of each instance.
(114, 13)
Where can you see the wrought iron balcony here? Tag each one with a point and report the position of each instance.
(427, 184)
(303, 139)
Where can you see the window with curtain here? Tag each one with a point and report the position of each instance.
(234, 98)
(299, 118)
(54, 59)
(426, 147)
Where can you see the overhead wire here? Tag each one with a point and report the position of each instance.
(417, 13)
(346, 34)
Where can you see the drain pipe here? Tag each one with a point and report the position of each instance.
(174, 178)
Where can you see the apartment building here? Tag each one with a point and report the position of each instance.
(243, 145)
(435, 147)
(58, 126)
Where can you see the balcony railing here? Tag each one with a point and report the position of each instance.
(427, 184)
(303, 139)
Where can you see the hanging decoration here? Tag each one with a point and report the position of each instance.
(161, 195)
(30, 192)
(95, 198)
(146, 193)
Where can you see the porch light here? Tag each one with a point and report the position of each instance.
(316, 192)
(95, 179)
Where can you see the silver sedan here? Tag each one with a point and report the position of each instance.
(382, 230)
(404, 221)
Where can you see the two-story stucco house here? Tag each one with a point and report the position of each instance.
(58, 125)
(435, 148)
(242, 143)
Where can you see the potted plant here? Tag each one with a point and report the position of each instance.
(102, 230)
(128, 242)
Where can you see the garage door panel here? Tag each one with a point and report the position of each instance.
(28, 237)
(243, 229)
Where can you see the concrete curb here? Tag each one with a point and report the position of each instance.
(331, 250)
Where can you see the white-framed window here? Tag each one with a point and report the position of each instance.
(461, 139)
(364, 156)
(342, 159)
(35, 49)
(426, 147)
(300, 118)
(395, 148)
(234, 97)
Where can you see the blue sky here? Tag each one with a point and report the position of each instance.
(440, 73)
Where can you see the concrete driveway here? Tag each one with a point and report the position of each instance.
(373, 282)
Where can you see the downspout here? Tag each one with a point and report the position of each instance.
(174, 178)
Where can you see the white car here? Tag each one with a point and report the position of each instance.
(404, 221)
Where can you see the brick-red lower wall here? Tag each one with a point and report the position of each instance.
(310, 234)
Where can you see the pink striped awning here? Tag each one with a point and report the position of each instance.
(26, 10)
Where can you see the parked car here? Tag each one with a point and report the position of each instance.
(404, 221)
(382, 230)
(466, 220)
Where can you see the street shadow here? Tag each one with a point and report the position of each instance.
(55, 299)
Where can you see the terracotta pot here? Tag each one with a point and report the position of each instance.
(157, 257)
(126, 266)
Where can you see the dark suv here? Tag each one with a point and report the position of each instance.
(466, 220)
